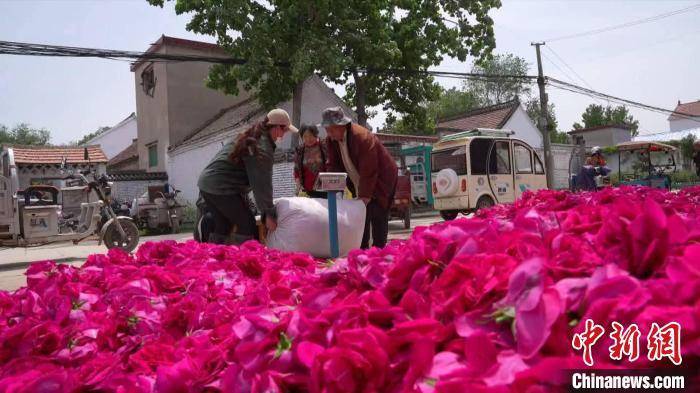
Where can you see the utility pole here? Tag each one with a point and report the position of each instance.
(548, 159)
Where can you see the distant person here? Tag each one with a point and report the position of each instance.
(309, 161)
(696, 157)
(243, 165)
(371, 170)
(596, 157)
(595, 165)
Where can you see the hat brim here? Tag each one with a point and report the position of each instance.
(342, 122)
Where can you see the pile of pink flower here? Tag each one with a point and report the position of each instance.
(487, 304)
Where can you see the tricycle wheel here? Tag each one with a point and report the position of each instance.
(113, 239)
(484, 202)
(448, 215)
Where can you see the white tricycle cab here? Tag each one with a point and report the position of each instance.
(476, 169)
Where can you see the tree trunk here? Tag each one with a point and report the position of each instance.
(360, 99)
(296, 110)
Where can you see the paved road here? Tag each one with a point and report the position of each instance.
(14, 261)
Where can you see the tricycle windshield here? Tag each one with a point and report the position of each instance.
(640, 162)
(663, 159)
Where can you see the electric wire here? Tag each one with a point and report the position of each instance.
(624, 25)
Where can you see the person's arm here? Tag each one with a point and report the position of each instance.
(368, 167)
(259, 170)
(298, 155)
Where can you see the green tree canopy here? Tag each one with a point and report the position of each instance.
(24, 134)
(351, 42)
(91, 135)
(532, 106)
(473, 94)
(598, 115)
(449, 103)
(497, 90)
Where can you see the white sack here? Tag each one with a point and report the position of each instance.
(302, 225)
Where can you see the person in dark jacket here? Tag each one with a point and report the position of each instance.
(243, 165)
(371, 170)
(309, 161)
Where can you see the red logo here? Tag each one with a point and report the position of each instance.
(586, 339)
(665, 342)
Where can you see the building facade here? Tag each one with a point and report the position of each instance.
(172, 98)
(609, 135)
(686, 116)
(116, 139)
(508, 116)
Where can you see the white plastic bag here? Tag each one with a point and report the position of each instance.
(302, 226)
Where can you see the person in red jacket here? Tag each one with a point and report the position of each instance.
(372, 171)
(309, 161)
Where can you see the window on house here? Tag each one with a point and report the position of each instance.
(148, 80)
(152, 155)
(523, 160)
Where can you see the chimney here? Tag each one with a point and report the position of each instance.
(679, 102)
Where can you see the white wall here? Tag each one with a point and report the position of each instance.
(683, 124)
(117, 138)
(603, 137)
(184, 168)
(127, 190)
(524, 128)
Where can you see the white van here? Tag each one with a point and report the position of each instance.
(476, 169)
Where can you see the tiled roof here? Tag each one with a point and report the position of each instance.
(181, 42)
(687, 109)
(582, 130)
(55, 155)
(136, 175)
(235, 116)
(494, 116)
(130, 153)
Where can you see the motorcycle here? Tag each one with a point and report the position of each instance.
(35, 217)
(591, 178)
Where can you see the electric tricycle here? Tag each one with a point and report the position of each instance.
(646, 164)
(34, 216)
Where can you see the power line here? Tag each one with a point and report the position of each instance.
(566, 74)
(29, 49)
(588, 85)
(569, 67)
(628, 24)
(558, 84)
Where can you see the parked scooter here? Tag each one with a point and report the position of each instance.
(158, 211)
(33, 216)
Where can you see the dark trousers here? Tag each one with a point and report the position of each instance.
(376, 221)
(317, 194)
(231, 212)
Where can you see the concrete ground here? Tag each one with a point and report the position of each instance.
(14, 261)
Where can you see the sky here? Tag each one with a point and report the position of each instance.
(655, 63)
